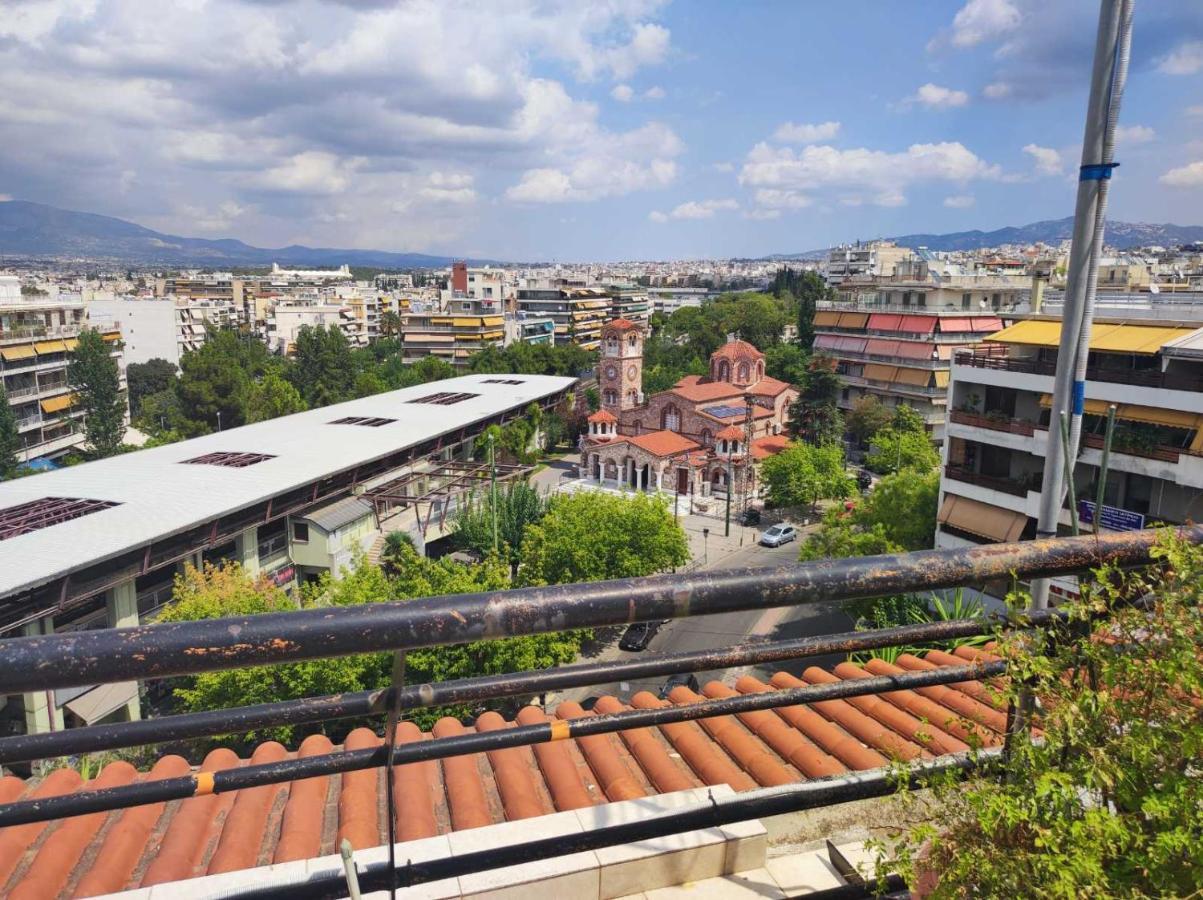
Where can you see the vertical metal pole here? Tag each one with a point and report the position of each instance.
(730, 490)
(1100, 493)
(493, 488)
(1106, 87)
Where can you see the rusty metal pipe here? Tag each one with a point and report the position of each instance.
(233, 779)
(181, 648)
(360, 704)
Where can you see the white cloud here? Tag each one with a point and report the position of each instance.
(1046, 159)
(982, 20)
(447, 187)
(655, 92)
(695, 209)
(1185, 59)
(762, 214)
(1185, 176)
(959, 201)
(777, 198)
(933, 96)
(1134, 134)
(997, 90)
(858, 175)
(604, 165)
(648, 46)
(795, 133)
(312, 172)
(623, 93)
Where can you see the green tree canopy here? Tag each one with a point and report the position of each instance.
(804, 474)
(96, 382)
(892, 450)
(898, 515)
(786, 362)
(591, 536)
(10, 439)
(214, 380)
(815, 416)
(272, 396)
(867, 417)
(324, 369)
(517, 506)
(151, 377)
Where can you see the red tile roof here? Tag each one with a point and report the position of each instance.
(731, 433)
(768, 387)
(663, 443)
(602, 415)
(769, 445)
(737, 348)
(108, 852)
(621, 324)
(700, 391)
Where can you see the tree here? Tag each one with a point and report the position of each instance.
(214, 379)
(10, 439)
(867, 417)
(593, 536)
(151, 377)
(518, 506)
(270, 397)
(809, 289)
(906, 419)
(324, 369)
(786, 362)
(1109, 802)
(804, 474)
(390, 324)
(96, 383)
(892, 450)
(899, 515)
(815, 416)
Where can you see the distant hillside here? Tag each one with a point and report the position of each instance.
(44, 232)
(1123, 235)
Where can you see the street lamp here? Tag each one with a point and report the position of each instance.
(219, 420)
(705, 545)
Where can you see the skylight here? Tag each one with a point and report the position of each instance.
(502, 381)
(443, 399)
(38, 514)
(369, 421)
(230, 459)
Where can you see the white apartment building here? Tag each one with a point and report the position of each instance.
(870, 259)
(285, 320)
(38, 333)
(998, 427)
(163, 328)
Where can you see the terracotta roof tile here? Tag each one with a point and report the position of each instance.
(663, 443)
(620, 324)
(768, 387)
(736, 348)
(141, 846)
(702, 391)
(731, 433)
(769, 445)
(602, 415)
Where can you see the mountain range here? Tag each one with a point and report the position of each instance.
(33, 230)
(36, 231)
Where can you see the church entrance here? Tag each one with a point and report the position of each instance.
(682, 481)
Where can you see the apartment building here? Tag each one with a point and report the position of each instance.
(452, 332)
(870, 259)
(217, 291)
(38, 333)
(578, 312)
(164, 328)
(998, 427)
(630, 302)
(284, 320)
(900, 355)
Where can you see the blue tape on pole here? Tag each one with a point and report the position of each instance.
(1079, 397)
(1096, 171)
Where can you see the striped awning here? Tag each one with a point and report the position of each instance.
(17, 351)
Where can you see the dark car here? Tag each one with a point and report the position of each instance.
(675, 681)
(638, 636)
(751, 516)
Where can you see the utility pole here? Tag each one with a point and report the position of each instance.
(1069, 387)
(493, 488)
(730, 491)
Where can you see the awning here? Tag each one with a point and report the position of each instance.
(986, 323)
(942, 378)
(853, 344)
(915, 350)
(58, 404)
(882, 347)
(419, 337)
(875, 372)
(853, 320)
(956, 324)
(1132, 412)
(102, 700)
(918, 324)
(827, 317)
(982, 519)
(50, 347)
(827, 341)
(1144, 339)
(17, 351)
(112, 336)
(913, 377)
(466, 321)
(884, 322)
(944, 351)
(494, 320)
(71, 343)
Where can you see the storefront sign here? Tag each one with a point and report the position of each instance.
(1112, 518)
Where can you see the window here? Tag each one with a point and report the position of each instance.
(230, 460)
(743, 371)
(445, 398)
(671, 419)
(300, 532)
(369, 421)
(38, 514)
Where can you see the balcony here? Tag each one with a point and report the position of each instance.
(1151, 379)
(993, 423)
(1012, 486)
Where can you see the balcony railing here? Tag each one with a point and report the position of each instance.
(39, 664)
(1006, 485)
(1155, 379)
(1159, 452)
(994, 423)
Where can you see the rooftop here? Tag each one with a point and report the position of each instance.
(151, 496)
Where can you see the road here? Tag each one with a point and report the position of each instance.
(726, 629)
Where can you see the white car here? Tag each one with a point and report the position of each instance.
(778, 535)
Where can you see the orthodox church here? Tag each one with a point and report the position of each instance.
(691, 438)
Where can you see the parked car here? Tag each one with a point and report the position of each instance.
(778, 535)
(639, 635)
(751, 516)
(674, 681)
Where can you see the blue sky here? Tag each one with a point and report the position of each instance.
(624, 129)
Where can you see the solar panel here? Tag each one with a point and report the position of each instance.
(725, 412)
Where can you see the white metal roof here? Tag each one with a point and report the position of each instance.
(1189, 345)
(160, 497)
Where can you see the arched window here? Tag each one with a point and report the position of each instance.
(670, 419)
(760, 371)
(632, 397)
(611, 397)
(611, 346)
(707, 437)
(743, 372)
(724, 370)
(632, 341)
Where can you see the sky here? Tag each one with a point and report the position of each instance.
(538, 130)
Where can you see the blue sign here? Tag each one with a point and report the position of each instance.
(1112, 518)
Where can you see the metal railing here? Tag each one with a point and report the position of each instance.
(1006, 485)
(994, 423)
(187, 648)
(1138, 378)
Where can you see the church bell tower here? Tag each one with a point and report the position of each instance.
(620, 370)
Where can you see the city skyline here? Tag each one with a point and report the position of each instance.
(641, 130)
